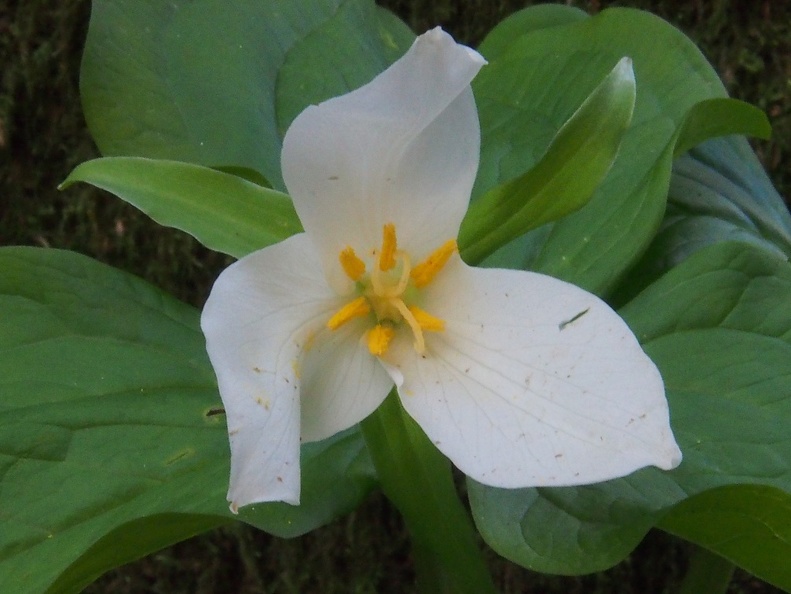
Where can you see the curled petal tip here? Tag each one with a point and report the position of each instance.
(674, 458)
(437, 36)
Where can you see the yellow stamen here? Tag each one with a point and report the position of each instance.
(426, 321)
(352, 265)
(386, 291)
(424, 273)
(389, 246)
(379, 338)
(354, 309)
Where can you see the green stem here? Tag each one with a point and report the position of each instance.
(417, 478)
(708, 572)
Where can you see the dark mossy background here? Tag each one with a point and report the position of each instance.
(43, 136)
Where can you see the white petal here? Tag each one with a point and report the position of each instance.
(402, 149)
(534, 382)
(261, 313)
(342, 383)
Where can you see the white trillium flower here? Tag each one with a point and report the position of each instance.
(519, 378)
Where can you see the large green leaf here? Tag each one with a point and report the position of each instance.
(534, 84)
(747, 524)
(224, 212)
(541, 16)
(110, 424)
(342, 54)
(718, 192)
(196, 81)
(719, 328)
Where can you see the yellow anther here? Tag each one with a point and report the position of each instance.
(379, 338)
(352, 265)
(354, 309)
(424, 273)
(426, 321)
(389, 246)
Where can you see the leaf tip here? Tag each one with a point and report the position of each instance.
(624, 69)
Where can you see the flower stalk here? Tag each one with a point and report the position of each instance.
(417, 479)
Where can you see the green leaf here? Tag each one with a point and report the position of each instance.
(197, 82)
(250, 175)
(569, 531)
(718, 192)
(721, 117)
(109, 420)
(706, 572)
(749, 525)
(224, 212)
(719, 328)
(125, 544)
(532, 87)
(337, 57)
(525, 21)
(578, 158)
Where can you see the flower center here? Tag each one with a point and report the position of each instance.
(388, 293)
